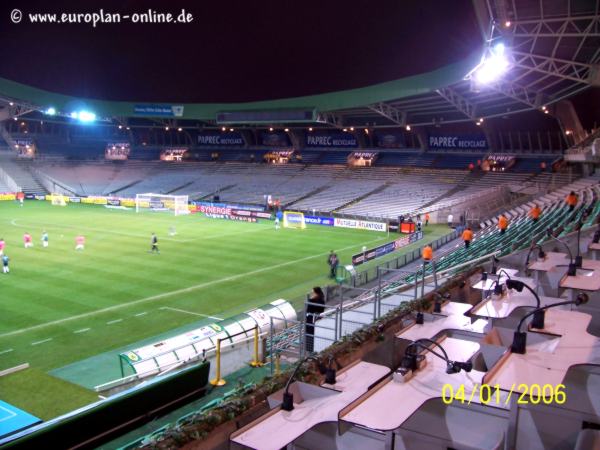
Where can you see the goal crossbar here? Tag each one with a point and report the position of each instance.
(178, 204)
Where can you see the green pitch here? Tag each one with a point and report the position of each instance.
(59, 306)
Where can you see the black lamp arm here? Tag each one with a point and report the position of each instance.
(564, 244)
(300, 363)
(537, 297)
(419, 343)
(543, 308)
(531, 249)
(505, 273)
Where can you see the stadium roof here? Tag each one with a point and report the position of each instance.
(553, 48)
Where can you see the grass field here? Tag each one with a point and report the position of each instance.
(59, 306)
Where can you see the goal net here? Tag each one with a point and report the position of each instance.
(293, 219)
(177, 204)
(58, 200)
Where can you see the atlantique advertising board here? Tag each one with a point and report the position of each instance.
(360, 224)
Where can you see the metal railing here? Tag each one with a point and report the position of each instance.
(371, 274)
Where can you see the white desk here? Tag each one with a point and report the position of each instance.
(595, 248)
(537, 426)
(549, 263)
(503, 307)
(541, 366)
(589, 281)
(388, 405)
(452, 317)
(278, 428)
(501, 277)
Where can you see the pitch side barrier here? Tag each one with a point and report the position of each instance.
(100, 422)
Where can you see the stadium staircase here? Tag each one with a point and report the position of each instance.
(362, 197)
(21, 173)
(309, 194)
(184, 185)
(212, 194)
(127, 186)
(468, 180)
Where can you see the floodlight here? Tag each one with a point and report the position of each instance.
(493, 65)
(51, 111)
(86, 116)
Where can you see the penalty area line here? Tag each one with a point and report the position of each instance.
(190, 312)
(185, 290)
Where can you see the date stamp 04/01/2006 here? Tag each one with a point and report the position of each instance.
(493, 395)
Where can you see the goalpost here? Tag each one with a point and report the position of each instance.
(58, 200)
(178, 204)
(293, 219)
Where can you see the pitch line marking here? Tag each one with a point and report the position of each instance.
(6, 351)
(14, 223)
(41, 342)
(83, 330)
(177, 291)
(114, 321)
(140, 314)
(190, 312)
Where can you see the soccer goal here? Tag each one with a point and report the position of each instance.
(293, 219)
(58, 200)
(178, 204)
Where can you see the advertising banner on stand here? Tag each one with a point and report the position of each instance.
(385, 249)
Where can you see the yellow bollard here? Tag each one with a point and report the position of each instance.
(256, 362)
(277, 364)
(218, 381)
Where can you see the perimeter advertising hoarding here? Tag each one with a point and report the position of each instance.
(385, 249)
(312, 220)
(317, 220)
(227, 212)
(231, 217)
(231, 205)
(360, 224)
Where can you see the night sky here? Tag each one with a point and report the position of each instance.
(234, 51)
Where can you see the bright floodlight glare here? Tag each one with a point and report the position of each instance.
(493, 66)
(491, 69)
(86, 116)
(50, 111)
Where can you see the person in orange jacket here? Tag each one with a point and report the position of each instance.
(467, 236)
(571, 200)
(426, 219)
(535, 213)
(427, 253)
(502, 223)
